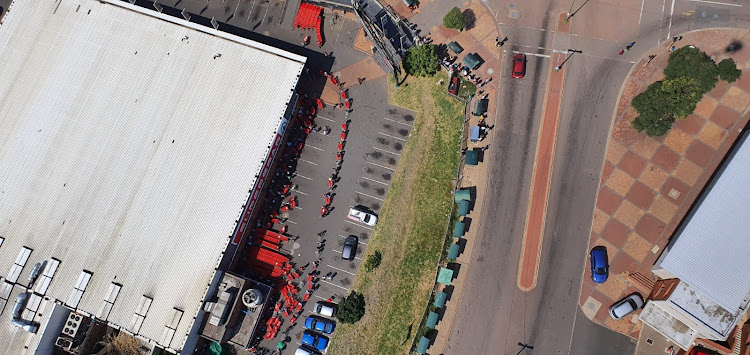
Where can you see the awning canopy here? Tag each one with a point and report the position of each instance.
(423, 344)
(472, 157)
(459, 230)
(453, 252)
(432, 320)
(445, 276)
(455, 47)
(472, 60)
(462, 195)
(481, 107)
(440, 299)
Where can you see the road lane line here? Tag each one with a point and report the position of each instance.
(405, 124)
(716, 3)
(382, 166)
(342, 270)
(358, 224)
(309, 162)
(671, 14)
(373, 180)
(640, 17)
(387, 151)
(394, 137)
(370, 196)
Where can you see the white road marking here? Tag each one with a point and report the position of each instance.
(671, 13)
(373, 180)
(382, 166)
(342, 270)
(358, 224)
(322, 298)
(358, 241)
(717, 3)
(333, 284)
(394, 137)
(325, 118)
(309, 162)
(300, 192)
(320, 149)
(405, 124)
(533, 54)
(370, 196)
(387, 151)
(339, 251)
(292, 222)
(641, 15)
(305, 177)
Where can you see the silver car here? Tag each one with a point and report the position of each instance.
(626, 306)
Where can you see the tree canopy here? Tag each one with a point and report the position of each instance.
(692, 62)
(351, 308)
(454, 19)
(421, 60)
(728, 70)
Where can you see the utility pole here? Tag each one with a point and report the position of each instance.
(570, 51)
(523, 347)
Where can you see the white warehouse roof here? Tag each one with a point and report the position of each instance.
(710, 253)
(128, 150)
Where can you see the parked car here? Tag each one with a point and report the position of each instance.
(599, 264)
(360, 214)
(626, 306)
(324, 308)
(314, 340)
(519, 65)
(320, 324)
(350, 248)
(306, 350)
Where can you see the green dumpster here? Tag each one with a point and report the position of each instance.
(472, 157)
(440, 299)
(453, 252)
(481, 107)
(459, 230)
(463, 208)
(455, 47)
(472, 60)
(431, 320)
(423, 344)
(462, 195)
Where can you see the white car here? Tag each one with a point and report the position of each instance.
(626, 306)
(359, 215)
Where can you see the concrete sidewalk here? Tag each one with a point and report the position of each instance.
(648, 184)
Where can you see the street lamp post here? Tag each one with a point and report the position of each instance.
(574, 12)
(571, 51)
(523, 347)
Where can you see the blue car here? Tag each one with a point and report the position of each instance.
(320, 324)
(315, 340)
(599, 264)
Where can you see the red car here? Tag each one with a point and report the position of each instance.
(519, 66)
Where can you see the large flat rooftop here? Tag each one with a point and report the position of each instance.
(128, 147)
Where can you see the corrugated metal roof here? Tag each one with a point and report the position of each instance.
(710, 253)
(127, 149)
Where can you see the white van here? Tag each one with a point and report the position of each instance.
(324, 309)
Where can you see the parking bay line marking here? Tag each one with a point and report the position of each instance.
(292, 222)
(300, 192)
(333, 284)
(394, 137)
(358, 224)
(305, 177)
(373, 180)
(325, 118)
(405, 124)
(370, 196)
(339, 251)
(387, 151)
(309, 162)
(382, 166)
(358, 241)
(342, 270)
(320, 149)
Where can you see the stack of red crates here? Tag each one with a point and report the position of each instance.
(309, 16)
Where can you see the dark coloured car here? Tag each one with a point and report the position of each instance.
(350, 248)
(519, 65)
(599, 264)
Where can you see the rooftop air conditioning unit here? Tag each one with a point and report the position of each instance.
(64, 343)
(71, 326)
(252, 298)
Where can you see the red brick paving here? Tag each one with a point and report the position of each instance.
(643, 153)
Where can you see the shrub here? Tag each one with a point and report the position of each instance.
(681, 95)
(454, 19)
(728, 70)
(351, 308)
(421, 60)
(691, 62)
(654, 125)
(373, 261)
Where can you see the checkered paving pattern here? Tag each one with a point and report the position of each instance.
(648, 184)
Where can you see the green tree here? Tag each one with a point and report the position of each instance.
(373, 261)
(653, 125)
(691, 62)
(650, 102)
(728, 70)
(421, 60)
(351, 308)
(454, 19)
(681, 95)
